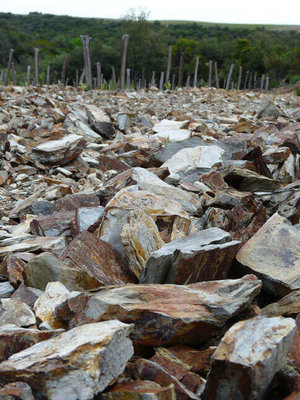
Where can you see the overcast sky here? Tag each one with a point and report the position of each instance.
(235, 11)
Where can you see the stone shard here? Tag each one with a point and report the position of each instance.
(140, 237)
(27, 295)
(6, 289)
(165, 314)
(14, 339)
(59, 151)
(202, 256)
(247, 358)
(98, 259)
(75, 365)
(46, 268)
(13, 311)
(87, 219)
(249, 181)
(287, 306)
(17, 391)
(72, 202)
(139, 390)
(56, 224)
(273, 254)
(100, 121)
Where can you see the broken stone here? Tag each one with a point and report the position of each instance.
(13, 311)
(87, 219)
(56, 224)
(247, 358)
(88, 358)
(184, 314)
(27, 295)
(6, 289)
(75, 201)
(287, 306)
(16, 390)
(202, 256)
(42, 207)
(100, 121)
(273, 254)
(138, 390)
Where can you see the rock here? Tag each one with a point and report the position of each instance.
(100, 121)
(175, 314)
(124, 122)
(3, 177)
(268, 110)
(109, 163)
(56, 224)
(56, 245)
(45, 268)
(140, 237)
(273, 254)
(249, 181)
(138, 390)
(79, 363)
(27, 295)
(13, 311)
(166, 124)
(287, 306)
(16, 390)
(6, 289)
(97, 259)
(87, 219)
(204, 157)
(42, 207)
(74, 201)
(174, 135)
(203, 256)
(247, 358)
(25, 205)
(14, 339)
(59, 151)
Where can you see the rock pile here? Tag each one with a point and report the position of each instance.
(149, 244)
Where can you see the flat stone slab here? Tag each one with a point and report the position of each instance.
(203, 256)
(247, 358)
(273, 254)
(75, 365)
(165, 314)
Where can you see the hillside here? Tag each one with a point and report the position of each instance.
(269, 49)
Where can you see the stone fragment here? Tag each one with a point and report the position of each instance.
(273, 254)
(87, 219)
(124, 122)
(14, 339)
(100, 121)
(139, 390)
(17, 391)
(3, 177)
(59, 151)
(174, 135)
(204, 157)
(166, 124)
(247, 358)
(46, 268)
(27, 295)
(56, 224)
(268, 110)
(249, 181)
(140, 237)
(203, 256)
(150, 370)
(55, 294)
(214, 180)
(6, 290)
(107, 163)
(13, 311)
(98, 259)
(72, 202)
(165, 314)
(43, 207)
(75, 365)
(56, 245)
(24, 206)
(289, 305)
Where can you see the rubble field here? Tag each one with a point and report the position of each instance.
(149, 244)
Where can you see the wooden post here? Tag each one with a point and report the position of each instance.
(14, 75)
(123, 62)
(250, 81)
(229, 76)
(181, 65)
(188, 81)
(67, 81)
(55, 77)
(262, 82)
(153, 79)
(64, 70)
(232, 85)
(209, 73)
(169, 65)
(217, 76)
(28, 75)
(1, 76)
(113, 78)
(173, 82)
(82, 76)
(48, 75)
(240, 78)
(196, 72)
(11, 52)
(161, 82)
(143, 79)
(255, 80)
(128, 78)
(98, 66)
(246, 80)
(201, 83)
(94, 83)
(267, 83)
(87, 59)
(76, 78)
(36, 66)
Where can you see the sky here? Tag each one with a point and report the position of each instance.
(231, 11)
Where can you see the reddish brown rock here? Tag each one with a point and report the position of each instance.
(294, 354)
(52, 225)
(14, 339)
(98, 259)
(138, 390)
(15, 268)
(165, 315)
(109, 163)
(17, 391)
(289, 306)
(74, 201)
(27, 295)
(214, 180)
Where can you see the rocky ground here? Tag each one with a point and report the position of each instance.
(150, 245)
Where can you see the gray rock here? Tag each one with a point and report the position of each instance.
(13, 311)
(203, 256)
(124, 122)
(100, 121)
(86, 217)
(268, 110)
(247, 358)
(6, 289)
(42, 207)
(80, 363)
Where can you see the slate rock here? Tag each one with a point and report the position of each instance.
(75, 365)
(6, 290)
(14, 311)
(247, 358)
(42, 207)
(100, 121)
(273, 254)
(72, 202)
(87, 219)
(203, 256)
(17, 391)
(138, 390)
(165, 314)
